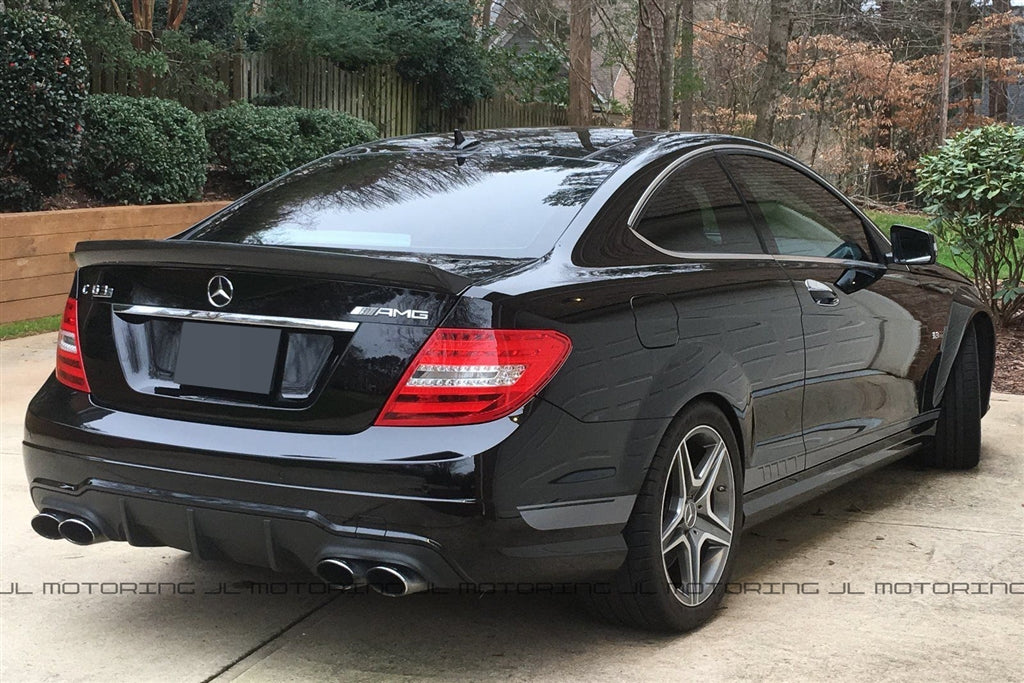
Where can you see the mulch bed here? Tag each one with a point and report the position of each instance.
(1009, 374)
(219, 187)
(72, 197)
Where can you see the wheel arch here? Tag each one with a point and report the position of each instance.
(732, 416)
(985, 330)
(738, 420)
(964, 317)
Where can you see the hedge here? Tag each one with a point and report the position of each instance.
(42, 96)
(142, 150)
(257, 144)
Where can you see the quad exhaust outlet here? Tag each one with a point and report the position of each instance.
(390, 580)
(47, 524)
(337, 572)
(54, 525)
(80, 531)
(395, 582)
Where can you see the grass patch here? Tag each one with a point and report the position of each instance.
(886, 220)
(26, 328)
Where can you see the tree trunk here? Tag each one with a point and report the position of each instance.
(580, 107)
(667, 67)
(774, 76)
(142, 40)
(485, 21)
(142, 16)
(685, 75)
(117, 11)
(176, 13)
(947, 48)
(650, 36)
(998, 101)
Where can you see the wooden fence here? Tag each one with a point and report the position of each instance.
(35, 248)
(378, 94)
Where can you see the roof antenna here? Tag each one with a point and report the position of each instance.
(462, 143)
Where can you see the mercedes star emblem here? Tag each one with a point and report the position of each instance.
(220, 291)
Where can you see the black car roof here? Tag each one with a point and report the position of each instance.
(609, 145)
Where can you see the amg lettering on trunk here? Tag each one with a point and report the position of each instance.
(390, 312)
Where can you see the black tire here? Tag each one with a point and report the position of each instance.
(957, 444)
(642, 594)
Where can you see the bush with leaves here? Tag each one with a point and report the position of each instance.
(435, 42)
(534, 75)
(142, 150)
(42, 91)
(974, 186)
(108, 39)
(181, 64)
(220, 22)
(257, 144)
(429, 41)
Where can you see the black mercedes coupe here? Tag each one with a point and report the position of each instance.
(584, 358)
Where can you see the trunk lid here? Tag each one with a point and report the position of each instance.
(256, 336)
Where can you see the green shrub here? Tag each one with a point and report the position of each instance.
(257, 144)
(974, 186)
(142, 150)
(42, 93)
(17, 194)
(431, 42)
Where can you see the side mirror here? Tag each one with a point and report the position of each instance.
(911, 246)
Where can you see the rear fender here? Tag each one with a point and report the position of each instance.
(702, 371)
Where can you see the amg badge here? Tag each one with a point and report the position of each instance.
(390, 312)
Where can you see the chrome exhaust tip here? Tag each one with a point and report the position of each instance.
(47, 524)
(395, 582)
(80, 531)
(336, 572)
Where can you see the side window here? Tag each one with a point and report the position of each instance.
(697, 210)
(803, 216)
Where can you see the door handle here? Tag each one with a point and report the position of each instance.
(822, 294)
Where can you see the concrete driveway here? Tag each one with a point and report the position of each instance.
(902, 574)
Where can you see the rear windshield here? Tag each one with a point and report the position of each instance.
(418, 203)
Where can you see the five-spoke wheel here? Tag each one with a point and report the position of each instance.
(685, 527)
(698, 515)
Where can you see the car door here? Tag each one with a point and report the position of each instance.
(738, 316)
(861, 344)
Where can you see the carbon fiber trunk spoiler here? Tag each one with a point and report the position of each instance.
(383, 270)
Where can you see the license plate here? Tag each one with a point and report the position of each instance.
(227, 357)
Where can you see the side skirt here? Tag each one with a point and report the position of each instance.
(785, 494)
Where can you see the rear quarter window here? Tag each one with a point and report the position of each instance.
(697, 210)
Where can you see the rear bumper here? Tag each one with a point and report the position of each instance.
(543, 499)
(247, 530)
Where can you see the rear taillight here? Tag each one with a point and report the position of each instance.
(470, 376)
(70, 368)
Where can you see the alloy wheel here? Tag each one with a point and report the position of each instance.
(698, 515)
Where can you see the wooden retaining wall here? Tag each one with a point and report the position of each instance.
(35, 248)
